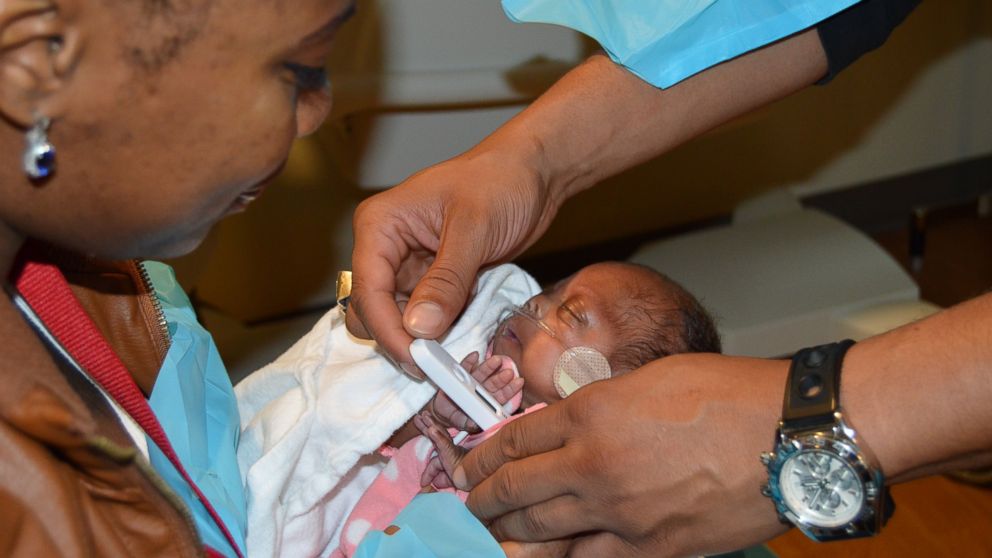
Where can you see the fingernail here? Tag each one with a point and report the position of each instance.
(427, 420)
(424, 318)
(459, 478)
(411, 370)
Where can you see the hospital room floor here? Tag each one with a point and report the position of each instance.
(935, 516)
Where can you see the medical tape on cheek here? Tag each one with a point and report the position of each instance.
(579, 366)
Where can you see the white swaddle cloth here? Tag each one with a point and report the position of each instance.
(312, 420)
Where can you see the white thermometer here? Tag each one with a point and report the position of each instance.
(449, 376)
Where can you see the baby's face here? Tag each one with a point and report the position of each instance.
(578, 311)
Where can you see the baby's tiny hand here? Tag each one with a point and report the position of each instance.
(496, 376)
(440, 467)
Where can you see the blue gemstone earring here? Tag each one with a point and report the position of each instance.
(39, 154)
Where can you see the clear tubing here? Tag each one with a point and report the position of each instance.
(576, 367)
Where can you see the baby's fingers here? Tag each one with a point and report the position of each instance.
(483, 370)
(498, 380)
(448, 453)
(504, 383)
(444, 410)
(470, 361)
(458, 419)
(432, 471)
(508, 391)
(435, 476)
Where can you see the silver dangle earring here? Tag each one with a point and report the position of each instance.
(39, 154)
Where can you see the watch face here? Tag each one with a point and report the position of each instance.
(821, 488)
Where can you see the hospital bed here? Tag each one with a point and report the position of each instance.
(780, 277)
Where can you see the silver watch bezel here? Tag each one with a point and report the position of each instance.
(840, 441)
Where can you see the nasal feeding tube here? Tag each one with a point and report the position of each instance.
(577, 366)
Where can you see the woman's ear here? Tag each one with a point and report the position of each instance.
(38, 51)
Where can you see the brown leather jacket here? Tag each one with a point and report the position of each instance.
(70, 480)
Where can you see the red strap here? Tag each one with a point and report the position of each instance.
(45, 289)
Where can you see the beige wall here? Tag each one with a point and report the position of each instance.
(921, 101)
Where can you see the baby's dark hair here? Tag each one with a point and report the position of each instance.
(660, 318)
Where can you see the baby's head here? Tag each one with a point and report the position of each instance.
(630, 313)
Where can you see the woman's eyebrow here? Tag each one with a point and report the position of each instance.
(326, 31)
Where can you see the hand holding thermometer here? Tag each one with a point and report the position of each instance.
(449, 376)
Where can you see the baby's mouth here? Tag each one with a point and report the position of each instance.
(504, 341)
(507, 331)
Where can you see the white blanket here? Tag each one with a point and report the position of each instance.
(312, 420)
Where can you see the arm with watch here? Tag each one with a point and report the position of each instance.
(667, 461)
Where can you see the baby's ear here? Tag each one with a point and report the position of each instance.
(39, 48)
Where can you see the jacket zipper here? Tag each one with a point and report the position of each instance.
(145, 467)
(163, 324)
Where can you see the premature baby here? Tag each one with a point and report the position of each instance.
(606, 320)
(312, 421)
(628, 313)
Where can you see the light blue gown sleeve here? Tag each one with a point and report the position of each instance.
(436, 525)
(667, 41)
(194, 401)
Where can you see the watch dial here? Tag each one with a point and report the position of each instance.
(821, 488)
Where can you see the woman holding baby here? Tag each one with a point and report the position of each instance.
(128, 130)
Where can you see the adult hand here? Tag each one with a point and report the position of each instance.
(551, 549)
(663, 461)
(430, 236)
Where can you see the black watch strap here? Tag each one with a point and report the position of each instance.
(812, 390)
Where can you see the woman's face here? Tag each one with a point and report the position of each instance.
(172, 118)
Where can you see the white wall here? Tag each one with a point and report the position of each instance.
(924, 100)
(920, 101)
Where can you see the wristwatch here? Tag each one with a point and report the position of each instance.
(821, 477)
